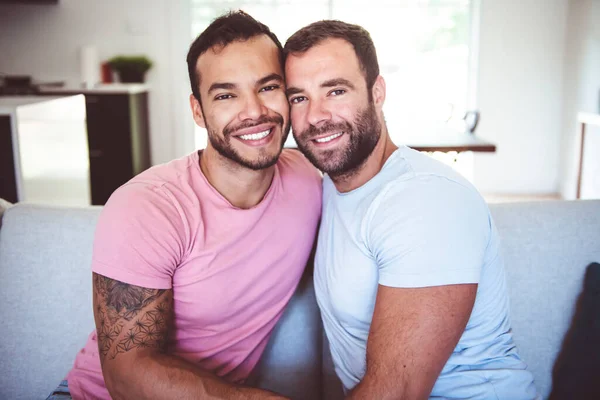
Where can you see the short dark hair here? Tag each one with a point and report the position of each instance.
(317, 32)
(230, 27)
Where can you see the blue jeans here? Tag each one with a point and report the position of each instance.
(61, 392)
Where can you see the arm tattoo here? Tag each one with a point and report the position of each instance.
(129, 316)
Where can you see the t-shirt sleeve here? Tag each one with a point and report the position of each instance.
(139, 237)
(428, 231)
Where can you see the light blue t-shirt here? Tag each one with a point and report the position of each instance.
(417, 223)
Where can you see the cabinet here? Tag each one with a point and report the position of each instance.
(44, 156)
(118, 137)
(118, 140)
(117, 123)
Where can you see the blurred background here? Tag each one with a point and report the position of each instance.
(500, 89)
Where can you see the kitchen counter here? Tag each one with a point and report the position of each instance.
(108, 88)
(117, 123)
(9, 104)
(43, 149)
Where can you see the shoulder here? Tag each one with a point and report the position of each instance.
(423, 184)
(432, 228)
(138, 209)
(171, 172)
(154, 194)
(429, 201)
(294, 167)
(431, 195)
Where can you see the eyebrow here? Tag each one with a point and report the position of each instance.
(292, 91)
(221, 85)
(329, 83)
(270, 77)
(337, 82)
(229, 85)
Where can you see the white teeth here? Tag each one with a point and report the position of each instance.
(329, 138)
(256, 136)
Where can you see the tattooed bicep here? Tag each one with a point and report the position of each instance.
(130, 317)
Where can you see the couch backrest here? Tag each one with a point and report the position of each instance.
(546, 248)
(45, 298)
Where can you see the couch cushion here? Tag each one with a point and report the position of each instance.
(546, 248)
(291, 363)
(45, 256)
(4, 205)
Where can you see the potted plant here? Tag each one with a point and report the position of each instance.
(131, 69)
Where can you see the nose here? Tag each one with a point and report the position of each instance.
(317, 113)
(253, 108)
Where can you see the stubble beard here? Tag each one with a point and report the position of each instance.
(364, 134)
(222, 144)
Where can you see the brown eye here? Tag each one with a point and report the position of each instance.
(296, 100)
(269, 88)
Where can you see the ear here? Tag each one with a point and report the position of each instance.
(197, 111)
(378, 92)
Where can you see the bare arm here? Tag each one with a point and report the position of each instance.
(133, 324)
(412, 335)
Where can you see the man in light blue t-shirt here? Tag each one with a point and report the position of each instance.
(408, 274)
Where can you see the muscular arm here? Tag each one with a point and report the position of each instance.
(133, 324)
(412, 335)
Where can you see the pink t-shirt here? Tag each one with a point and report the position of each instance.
(232, 271)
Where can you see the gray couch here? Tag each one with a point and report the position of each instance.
(45, 300)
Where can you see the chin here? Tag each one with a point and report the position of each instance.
(264, 159)
(259, 164)
(331, 169)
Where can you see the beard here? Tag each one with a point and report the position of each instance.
(364, 133)
(222, 143)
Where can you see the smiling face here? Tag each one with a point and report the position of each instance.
(335, 122)
(244, 107)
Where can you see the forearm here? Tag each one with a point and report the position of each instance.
(412, 335)
(133, 324)
(162, 376)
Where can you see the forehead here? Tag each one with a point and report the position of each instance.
(330, 58)
(238, 61)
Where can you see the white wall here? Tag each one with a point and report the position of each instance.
(582, 93)
(522, 74)
(519, 94)
(44, 40)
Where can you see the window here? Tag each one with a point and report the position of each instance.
(424, 48)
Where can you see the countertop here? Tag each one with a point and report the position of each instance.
(108, 88)
(9, 104)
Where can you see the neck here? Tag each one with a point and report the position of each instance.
(367, 170)
(243, 187)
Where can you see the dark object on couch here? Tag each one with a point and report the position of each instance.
(577, 369)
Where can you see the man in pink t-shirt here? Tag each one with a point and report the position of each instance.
(195, 260)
